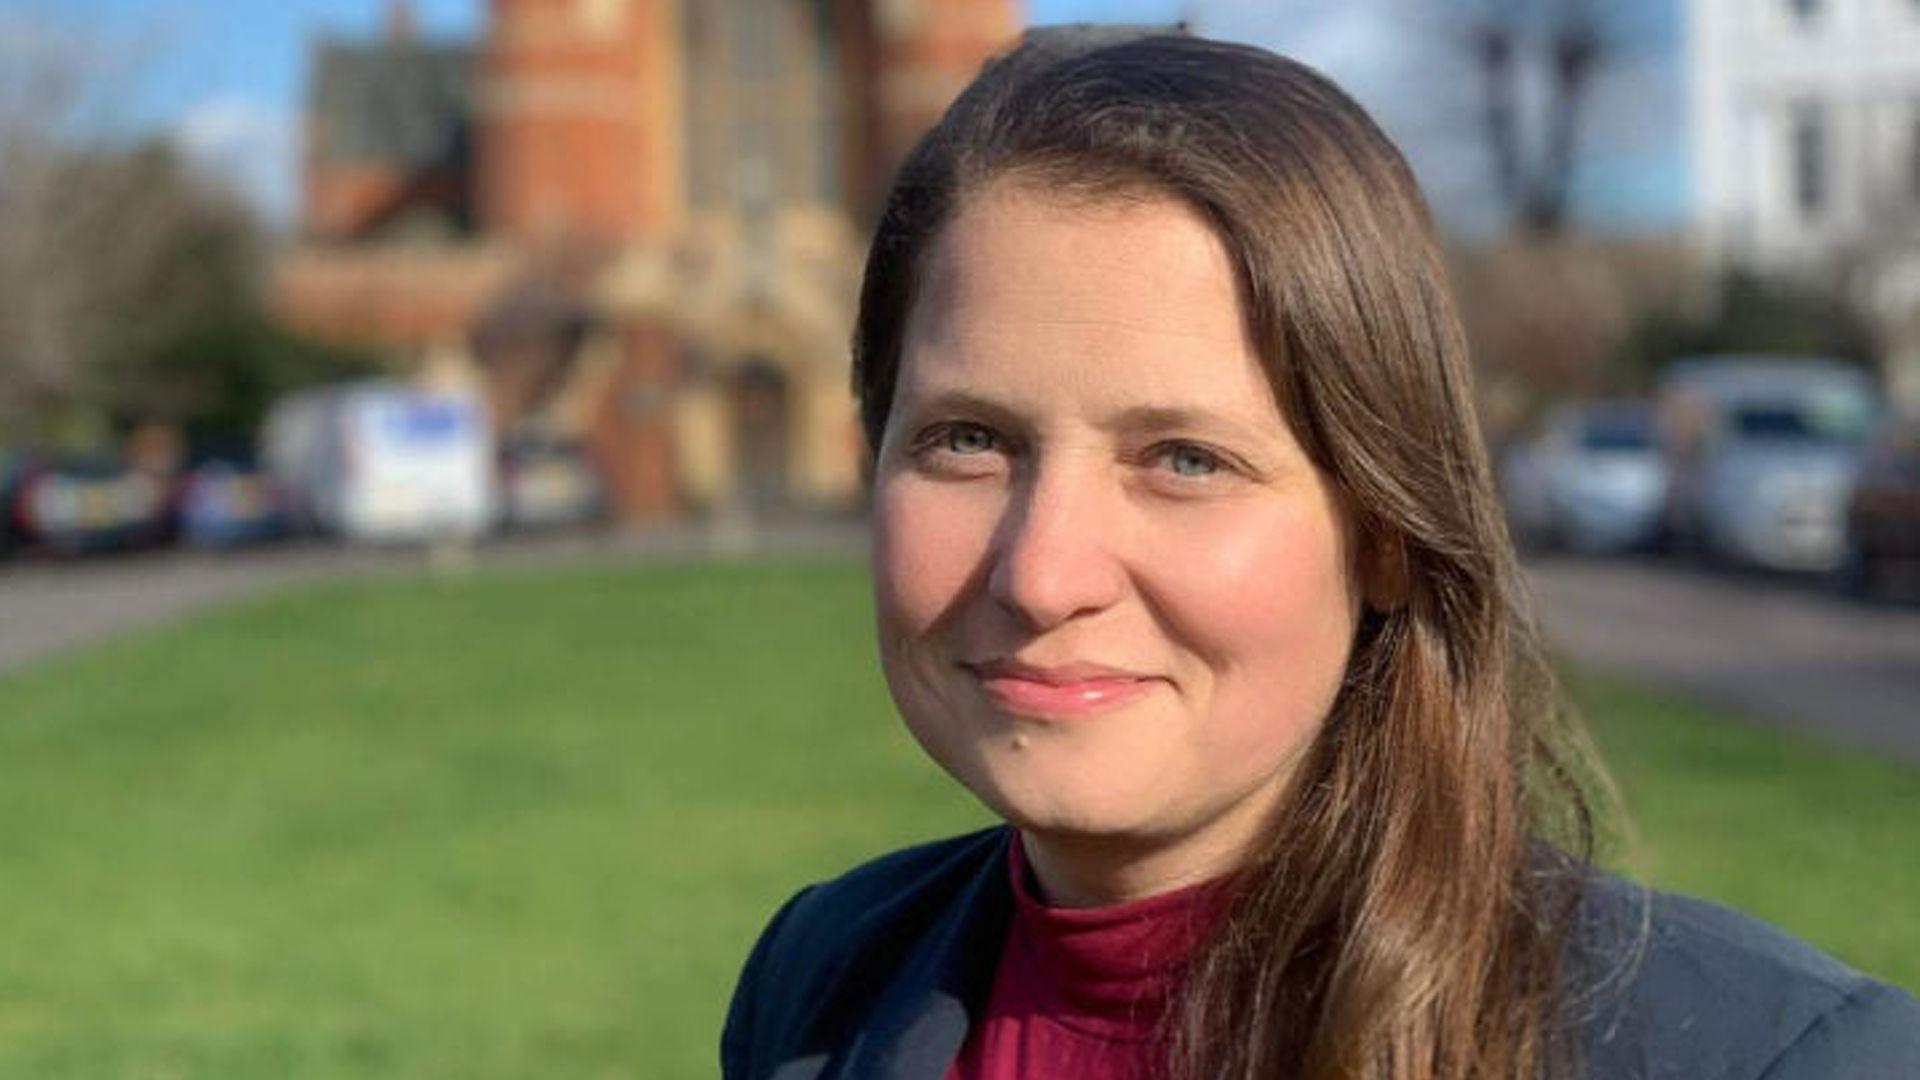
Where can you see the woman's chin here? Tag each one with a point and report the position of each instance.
(1105, 818)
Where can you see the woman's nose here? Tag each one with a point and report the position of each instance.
(1054, 557)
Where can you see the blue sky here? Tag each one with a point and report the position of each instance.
(227, 78)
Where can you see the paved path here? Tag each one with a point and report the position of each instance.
(1781, 650)
(49, 607)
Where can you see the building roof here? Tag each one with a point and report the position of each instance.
(406, 104)
(407, 297)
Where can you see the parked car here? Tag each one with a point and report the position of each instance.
(1883, 516)
(547, 482)
(1765, 452)
(12, 472)
(229, 501)
(1594, 481)
(79, 505)
(381, 461)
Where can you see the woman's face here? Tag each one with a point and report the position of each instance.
(1114, 596)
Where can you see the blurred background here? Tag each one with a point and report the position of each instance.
(431, 580)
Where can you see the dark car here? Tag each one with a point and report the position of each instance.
(1883, 515)
(547, 483)
(86, 505)
(12, 471)
(229, 501)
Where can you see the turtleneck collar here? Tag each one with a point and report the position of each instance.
(1109, 971)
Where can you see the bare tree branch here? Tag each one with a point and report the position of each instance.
(1537, 61)
(107, 250)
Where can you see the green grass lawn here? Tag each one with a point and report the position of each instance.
(527, 826)
(1821, 841)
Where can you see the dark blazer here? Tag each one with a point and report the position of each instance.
(876, 975)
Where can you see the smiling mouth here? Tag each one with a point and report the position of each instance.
(1058, 693)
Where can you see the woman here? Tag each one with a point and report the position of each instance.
(1186, 565)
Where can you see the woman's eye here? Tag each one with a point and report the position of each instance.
(1187, 460)
(958, 448)
(965, 439)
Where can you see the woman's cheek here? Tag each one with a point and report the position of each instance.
(931, 542)
(1271, 597)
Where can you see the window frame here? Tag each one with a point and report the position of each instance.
(1810, 158)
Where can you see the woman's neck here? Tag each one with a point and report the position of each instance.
(1097, 871)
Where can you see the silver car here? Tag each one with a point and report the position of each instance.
(1594, 481)
(1766, 453)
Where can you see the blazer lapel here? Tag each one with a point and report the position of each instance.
(930, 1005)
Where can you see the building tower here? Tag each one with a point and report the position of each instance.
(924, 53)
(575, 120)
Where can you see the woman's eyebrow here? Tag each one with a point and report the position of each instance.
(955, 400)
(1148, 419)
(1134, 420)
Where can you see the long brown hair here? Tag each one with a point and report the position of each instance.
(1407, 915)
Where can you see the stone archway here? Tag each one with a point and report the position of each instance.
(762, 416)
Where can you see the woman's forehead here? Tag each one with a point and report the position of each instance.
(1015, 239)
(1123, 313)
(1019, 269)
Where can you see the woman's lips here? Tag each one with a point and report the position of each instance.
(1058, 693)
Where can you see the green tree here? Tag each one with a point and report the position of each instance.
(1754, 315)
(130, 286)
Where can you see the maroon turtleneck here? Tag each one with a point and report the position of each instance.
(1080, 992)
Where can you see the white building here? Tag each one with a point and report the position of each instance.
(1806, 147)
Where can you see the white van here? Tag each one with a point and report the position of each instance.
(385, 462)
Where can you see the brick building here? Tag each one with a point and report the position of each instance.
(640, 220)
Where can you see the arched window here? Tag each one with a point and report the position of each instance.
(765, 103)
(826, 127)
